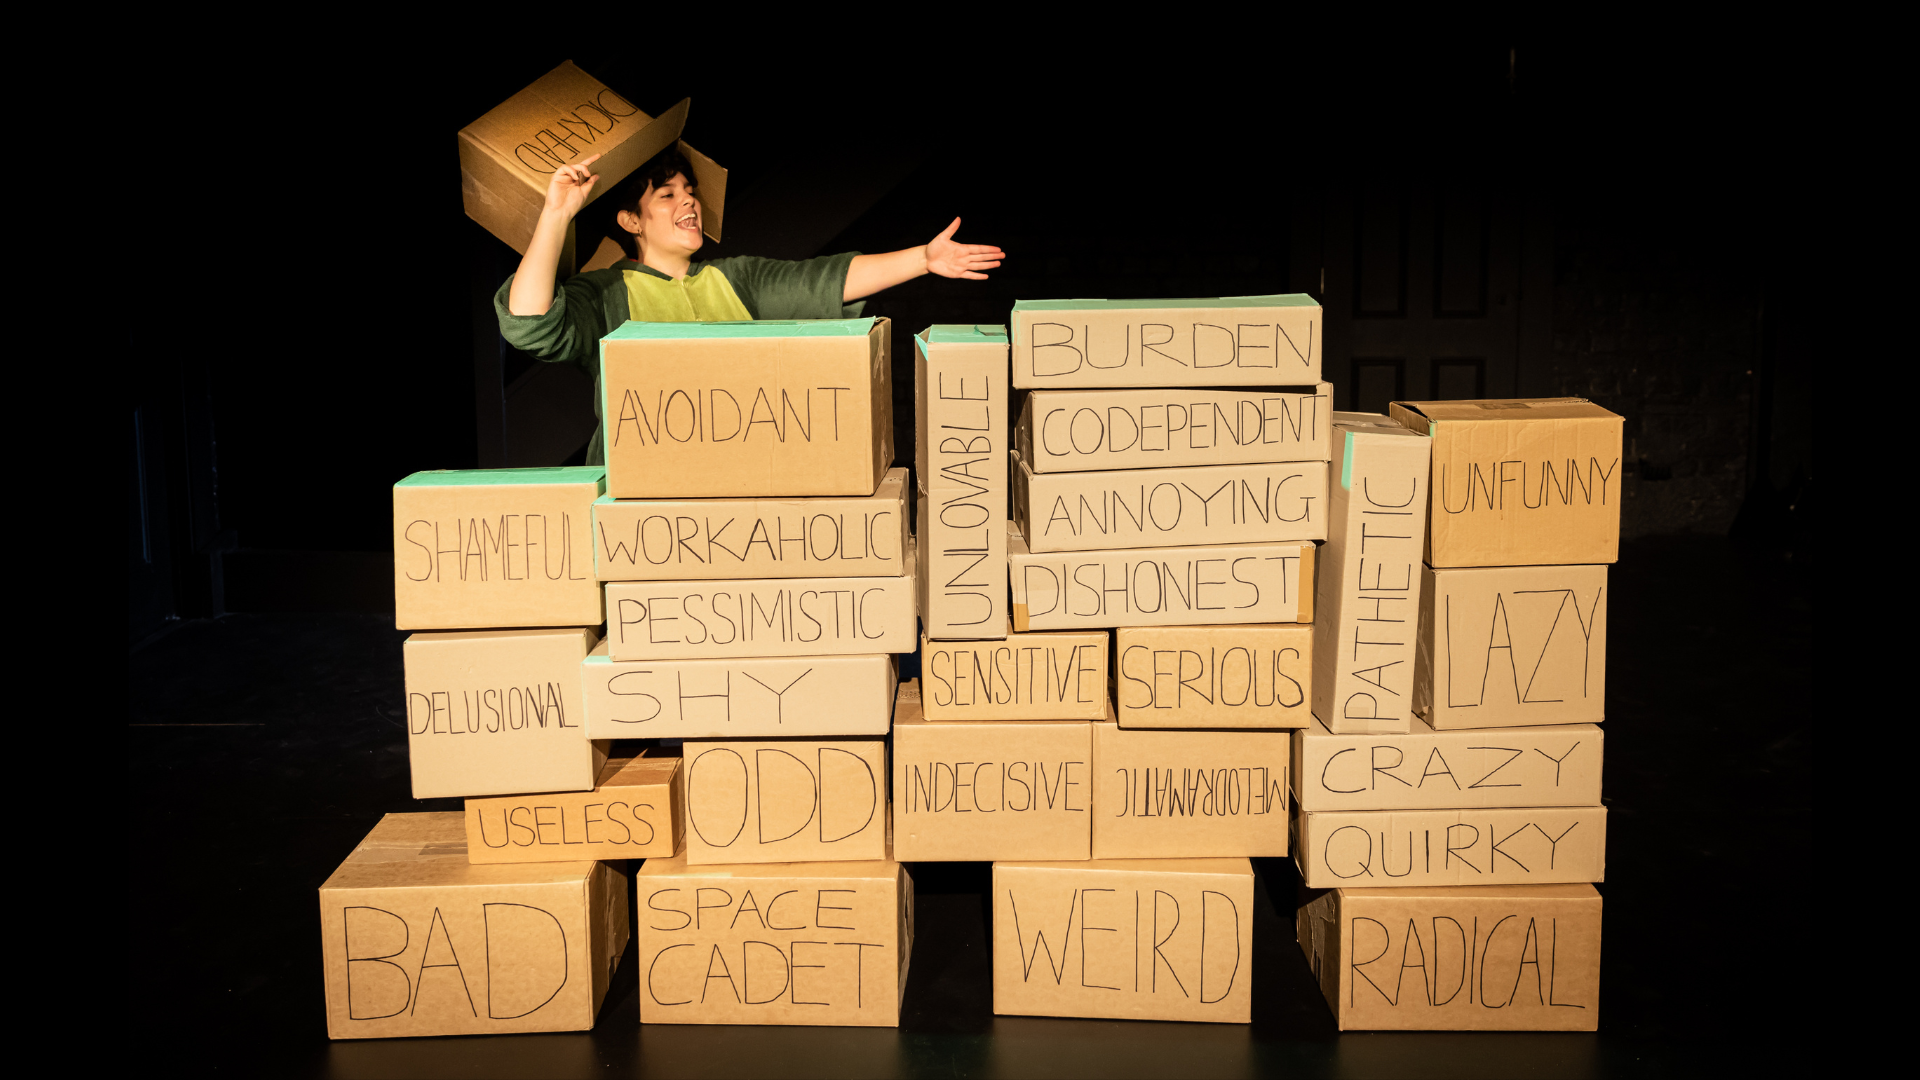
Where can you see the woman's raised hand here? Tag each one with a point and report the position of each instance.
(572, 186)
(948, 259)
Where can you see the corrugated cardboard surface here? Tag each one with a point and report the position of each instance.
(1170, 586)
(1217, 504)
(1076, 430)
(1512, 646)
(1189, 794)
(704, 539)
(1426, 769)
(1131, 939)
(665, 620)
(1061, 675)
(416, 940)
(751, 697)
(1403, 848)
(781, 943)
(960, 457)
(1257, 675)
(634, 812)
(794, 800)
(1221, 341)
(1466, 958)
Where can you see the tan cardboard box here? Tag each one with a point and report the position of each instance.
(498, 712)
(1246, 676)
(1457, 957)
(960, 456)
(418, 941)
(768, 409)
(1216, 504)
(703, 539)
(1172, 586)
(521, 541)
(667, 620)
(1189, 794)
(1161, 427)
(774, 943)
(633, 812)
(1404, 848)
(1511, 646)
(1216, 341)
(1051, 676)
(747, 698)
(1129, 939)
(1520, 483)
(790, 800)
(1426, 769)
(1368, 593)
(967, 791)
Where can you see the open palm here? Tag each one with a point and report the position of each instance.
(952, 260)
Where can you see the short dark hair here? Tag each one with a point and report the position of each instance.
(659, 169)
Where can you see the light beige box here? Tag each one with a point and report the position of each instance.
(1189, 794)
(1511, 646)
(1457, 957)
(1127, 939)
(498, 712)
(960, 457)
(1172, 586)
(1426, 769)
(633, 812)
(747, 698)
(967, 791)
(1404, 848)
(667, 620)
(1368, 594)
(1060, 675)
(791, 800)
(416, 940)
(705, 539)
(1215, 504)
(1257, 675)
(1214, 341)
(521, 541)
(1519, 482)
(774, 943)
(1161, 427)
(771, 408)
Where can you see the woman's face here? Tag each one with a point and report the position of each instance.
(670, 218)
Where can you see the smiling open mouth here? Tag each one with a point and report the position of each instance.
(690, 221)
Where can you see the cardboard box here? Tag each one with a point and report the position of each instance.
(968, 791)
(1127, 939)
(1189, 794)
(521, 541)
(1216, 341)
(1457, 958)
(827, 616)
(745, 698)
(508, 156)
(1518, 482)
(1080, 430)
(633, 812)
(791, 800)
(1217, 504)
(1368, 593)
(704, 539)
(770, 408)
(1426, 769)
(1242, 676)
(1511, 646)
(1408, 848)
(498, 712)
(960, 456)
(1206, 584)
(416, 940)
(1052, 676)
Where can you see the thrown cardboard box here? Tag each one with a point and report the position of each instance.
(498, 712)
(1127, 939)
(1189, 794)
(791, 800)
(1457, 958)
(1512, 646)
(1212, 341)
(1060, 675)
(774, 943)
(1426, 769)
(1520, 482)
(1098, 430)
(633, 812)
(960, 457)
(1188, 585)
(1215, 504)
(1256, 675)
(968, 791)
(746, 698)
(1405, 848)
(416, 940)
(1368, 593)
(769, 408)
(521, 541)
(668, 620)
(704, 539)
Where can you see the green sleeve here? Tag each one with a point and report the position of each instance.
(789, 289)
(573, 325)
